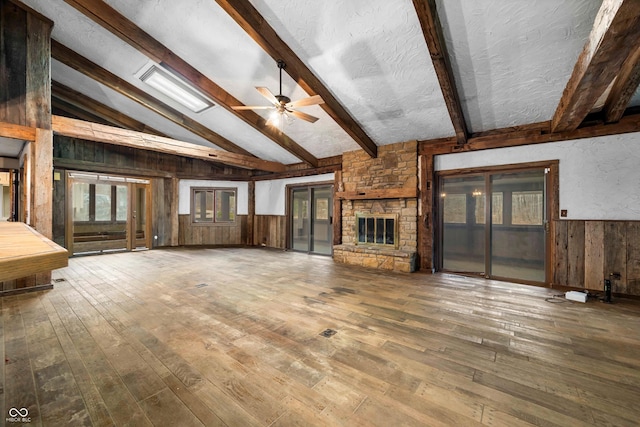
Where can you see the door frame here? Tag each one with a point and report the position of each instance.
(132, 214)
(552, 203)
(289, 211)
(132, 184)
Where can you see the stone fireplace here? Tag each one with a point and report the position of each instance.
(379, 208)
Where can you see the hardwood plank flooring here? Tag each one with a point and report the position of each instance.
(232, 337)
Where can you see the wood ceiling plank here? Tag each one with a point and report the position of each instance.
(432, 30)
(125, 29)
(99, 74)
(111, 135)
(614, 37)
(262, 33)
(623, 89)
(98, 109)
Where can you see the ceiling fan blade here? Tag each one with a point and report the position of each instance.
(303, 116)
(268, 94)
(252, 107)
(311, 100)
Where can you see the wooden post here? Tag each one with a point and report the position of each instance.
(175, 219)
(25, 100)
(426, 219)
(251, 214)
(41, 154)
(337, 208)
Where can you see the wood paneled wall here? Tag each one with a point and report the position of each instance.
(270, 231)
(72, 153)
(587, 252)
(215, 235)
(163, 170)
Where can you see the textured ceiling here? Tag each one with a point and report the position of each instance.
(374, 57)
(511, 61)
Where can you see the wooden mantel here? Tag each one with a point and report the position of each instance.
(390, 193)
(25, 252)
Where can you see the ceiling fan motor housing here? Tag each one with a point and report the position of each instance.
(282, 99)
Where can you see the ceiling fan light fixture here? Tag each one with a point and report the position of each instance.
(275, 118)
(174, 87)
(282, 106)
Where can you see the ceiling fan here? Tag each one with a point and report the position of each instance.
(282, 105)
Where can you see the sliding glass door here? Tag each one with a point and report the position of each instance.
(310, 219)
(505, 238)
(463, 237)
(518, 232)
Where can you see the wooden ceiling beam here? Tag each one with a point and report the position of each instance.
(536, 134)
(623, 89)
(98, 109)
(23, 133)
(99, 74)
(68, 110)
(262, 33)
(119, 25)
(432, 30)
(614, 37)
(112, 135)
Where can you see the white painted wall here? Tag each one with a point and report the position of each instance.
(599, 177)
(184, 201)
(271, 195)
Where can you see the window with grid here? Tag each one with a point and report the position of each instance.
(213, 205)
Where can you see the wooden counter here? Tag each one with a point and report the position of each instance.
(25, 252)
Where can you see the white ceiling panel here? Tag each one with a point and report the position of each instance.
(10, 147)
(211, 41)
(373, 57)
(512, 59)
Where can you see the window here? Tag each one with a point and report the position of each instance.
(99, 202)
(322, 209)
(100, 198)
(527, 208)
(376, 230)
(455, 208)
(213, 205)
(496, 208)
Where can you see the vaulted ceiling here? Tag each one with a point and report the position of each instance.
(388, 70)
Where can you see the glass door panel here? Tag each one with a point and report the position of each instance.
(300, 220)
(95, 217)
(321, 227)
(518, 239)
(512, 243)
(462, 210)
(107, 213)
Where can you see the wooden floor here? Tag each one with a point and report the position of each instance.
(232, 337)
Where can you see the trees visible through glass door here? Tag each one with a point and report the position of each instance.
(512, 243)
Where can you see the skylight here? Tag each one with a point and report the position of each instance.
(174, 87)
